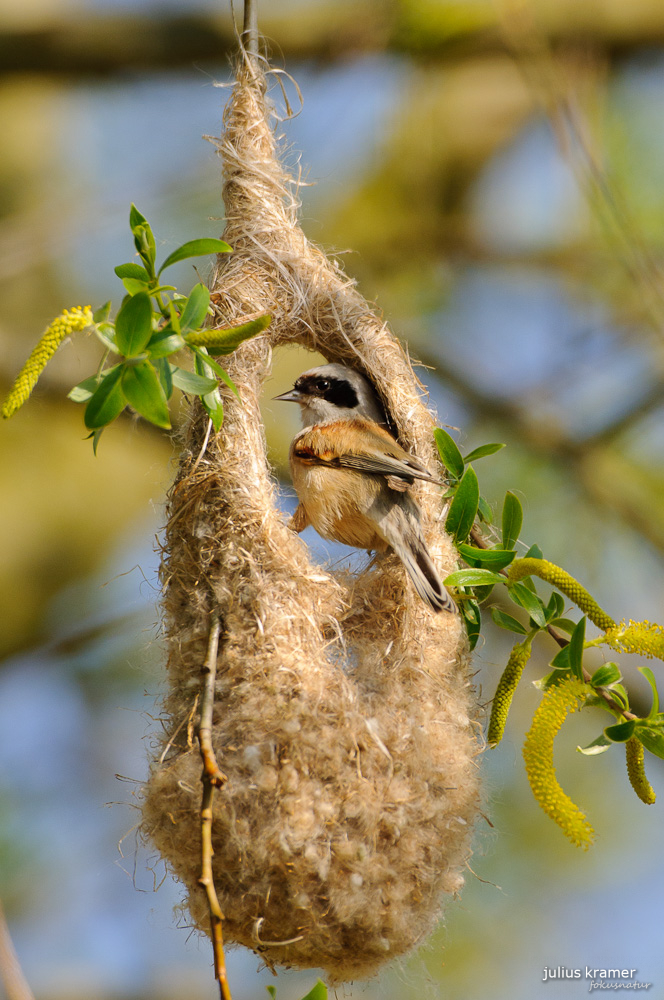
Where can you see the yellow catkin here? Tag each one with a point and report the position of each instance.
(644, 637)
(556, 704)
(557, 577)
(62, 326)
(636, 771)
(505, 691)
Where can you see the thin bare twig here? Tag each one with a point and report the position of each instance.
(211, 778)
(13, 980)
(250, 28)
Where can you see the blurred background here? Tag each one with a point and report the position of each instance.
(492, 175)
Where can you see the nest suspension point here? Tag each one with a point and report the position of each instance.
(343, 710)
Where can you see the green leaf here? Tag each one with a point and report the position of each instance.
(227, 340)
(484, 511)
(209, 364)
(195, 385)
(491, 558)
(212, 402)
(621, 732)
(143, 239)
(576, 644)
(133, 325)
(272, 990)
(319, 992)
(534, 552)
(599, 745)
(512, 520)
(135, 218)
(507, 622)
(106, 334)
(652, 739)
(561, 659)
(87, 388)
(449, 453)
(472, 578)
(650, 677)
(555, 606)
(214, 408)
(164, 342)
(482, 452)
(619, 694)
(134, 286)
(564, 624)
(96, 435)
(472, 619)
(132, 270)
(481, 593)
(143, 391)
(163, 370)
(196, 248)
(107, 402)
(525, 598)
(144, 243)
(196, 309)
(463, 509)
(82, 392)
(605, 675)
(155, 289)
(174, 314)
(101, 315)
(551, 679)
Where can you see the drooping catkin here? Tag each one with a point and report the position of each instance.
(68, 322)
(343, 707)
(507, 685)
(557, 703)
(636, 770)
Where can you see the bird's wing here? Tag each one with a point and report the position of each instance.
(361, 445)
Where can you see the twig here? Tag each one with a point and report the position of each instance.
(250, 28)
(211, 778)
(13, 980)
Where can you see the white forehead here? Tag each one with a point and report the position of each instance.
(336, 370)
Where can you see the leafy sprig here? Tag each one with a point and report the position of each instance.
(154, 324)
(492, 560)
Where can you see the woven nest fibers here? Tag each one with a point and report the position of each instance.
(343, 714)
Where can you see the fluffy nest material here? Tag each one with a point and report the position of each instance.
(343, 712)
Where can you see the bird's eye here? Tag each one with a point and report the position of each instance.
(322, 384)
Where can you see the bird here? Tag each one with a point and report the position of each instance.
(352, 478)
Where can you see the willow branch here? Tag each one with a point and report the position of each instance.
(480, 541)
(211, 778)
(13, 980)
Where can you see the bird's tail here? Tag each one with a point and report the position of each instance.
(402, 532)
(426, 579)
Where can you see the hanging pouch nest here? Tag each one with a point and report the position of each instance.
(343, 708)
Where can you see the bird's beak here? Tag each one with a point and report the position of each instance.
(292, 396)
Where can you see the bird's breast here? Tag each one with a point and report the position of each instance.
(341, 504)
